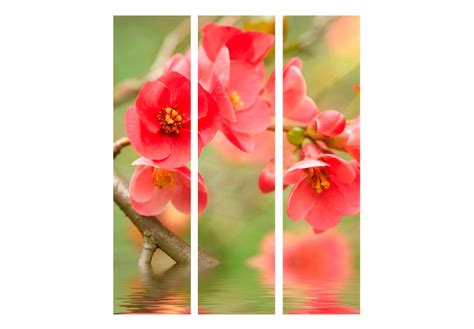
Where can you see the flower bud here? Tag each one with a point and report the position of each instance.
(330, 123)
(266, 180)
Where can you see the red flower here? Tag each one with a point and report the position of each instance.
(352, 145)
(296, 105)
(235, 85)
(326, 188)
(330, 123)
(158, 125)
(152, 187)
(232, 71)
(178, 63)
(249, 46)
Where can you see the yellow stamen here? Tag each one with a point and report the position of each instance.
(235, 100)
(170, 120)
(162, 178)
(324, 181)
(319, 178)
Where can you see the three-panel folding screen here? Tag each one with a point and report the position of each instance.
(236, 165)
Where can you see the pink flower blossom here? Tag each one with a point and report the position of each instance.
(266, 179)
(326, 189)
(352, 145)
(235, 85)
(232, 71)
(158, 124)
(248, 46)
(179, 63)
(296, 105)
(152, 187)
(330, 123)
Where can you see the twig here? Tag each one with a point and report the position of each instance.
(285, 128)
(120, 144)
(128, 88)
(155, 233)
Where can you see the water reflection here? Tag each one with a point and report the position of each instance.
(234, 289)
(318, 271)
(159, 292)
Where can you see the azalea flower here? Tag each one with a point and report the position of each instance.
(326, 189)
(152, 187)
(158, 124)
(297, 106)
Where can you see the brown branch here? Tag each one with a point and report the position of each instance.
(148, 249)
(128, 88)
(285, 128)
(155, 233)
(120, 144)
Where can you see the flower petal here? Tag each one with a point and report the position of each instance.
(294, 89)
(179, 92)
(243, 141)
(328, 209)
(180, 150)
(151, 145)
(340, 169)
(221, 66)
(141, 185)
(295, 172)
(156, 205)
(253, 120)
(181, 197)
(178, 63)
(246, 81)
(215, 36)
(304, 112)
(300, 200)
(151, 100)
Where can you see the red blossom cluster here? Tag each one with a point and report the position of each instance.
(235, 98)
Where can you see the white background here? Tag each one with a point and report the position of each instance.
(56, 165)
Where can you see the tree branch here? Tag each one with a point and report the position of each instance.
(120, 144)
(148, 249)
(155, 233)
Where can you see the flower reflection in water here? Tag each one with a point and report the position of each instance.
(318, 272)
